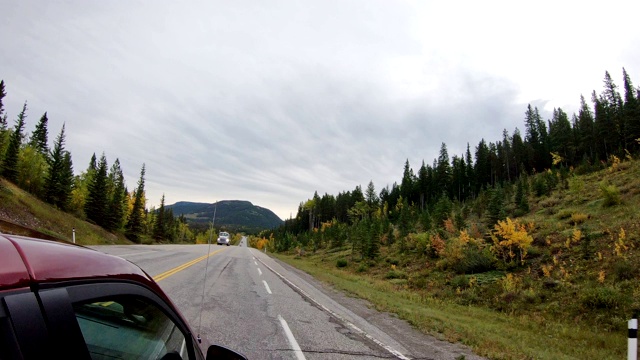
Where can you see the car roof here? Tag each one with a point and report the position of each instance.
(29, 261)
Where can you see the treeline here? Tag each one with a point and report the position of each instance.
(452, 187)
(98, 194)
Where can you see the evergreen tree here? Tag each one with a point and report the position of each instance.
(93, 163)
(507, 154)
(495, 209)
(613, 106)
(443, 172)
(116, 207)
(470, 175)
(40, 136)
(560, 135)
(585, 131)
(58, 185)
(10, 164)
(97, 198)
(408, 182)
(135, 223)
(3, 93)
(482, 166)
(631, 114)
(371, 197)
(160, 226)
(519, 153)
(423, 185)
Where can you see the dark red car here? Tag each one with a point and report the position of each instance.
(63, 301)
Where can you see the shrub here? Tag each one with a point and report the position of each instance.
(459, 281)
(602, 298)
(510, 241)
(611, 194)
(624, 270)
(392, 261)
(395, 274)
(341, 263)
(418, 282)
(362, 268)
(578, 218)
(474, 261)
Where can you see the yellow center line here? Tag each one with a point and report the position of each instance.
(168, 273)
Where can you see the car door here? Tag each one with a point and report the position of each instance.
(102, 320)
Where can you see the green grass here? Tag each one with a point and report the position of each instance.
(488, 333)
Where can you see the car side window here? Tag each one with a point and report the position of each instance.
(129, 327)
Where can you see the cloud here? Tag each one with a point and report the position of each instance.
(269, 102)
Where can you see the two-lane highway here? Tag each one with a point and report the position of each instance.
(252, 304)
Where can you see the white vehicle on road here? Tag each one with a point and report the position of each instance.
(223, 238)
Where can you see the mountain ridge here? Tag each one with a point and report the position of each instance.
(237, 215)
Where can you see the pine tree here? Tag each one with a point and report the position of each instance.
(470, 175)
(443, 171)
(58, 186)
(613, 105)
(372, 199)
(116, 206)
(560, 134)
(40, 135)
(135, 223)
(482, 166)
(160, 226)
(3, 93)
(408, 182)
(423, 185)
(10, 164)
(585, 131)
(495, 208)
(631, 114)
(96, 205)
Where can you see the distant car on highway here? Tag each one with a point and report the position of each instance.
(223, 238)
(64, 301)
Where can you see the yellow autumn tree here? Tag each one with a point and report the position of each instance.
(510, 241)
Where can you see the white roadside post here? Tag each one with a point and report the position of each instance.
(74, 235)
(632, 349)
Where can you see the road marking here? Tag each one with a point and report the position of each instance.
(266, 286)
(255, 263)
(304, 294)
(168, 273)
(259, 271)
(292, 340)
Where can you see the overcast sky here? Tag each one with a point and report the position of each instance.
(269, 101)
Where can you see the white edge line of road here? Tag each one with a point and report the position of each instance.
(266, 286)
(393, 351)
(292, 339)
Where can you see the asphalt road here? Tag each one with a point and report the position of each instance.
(253, 304)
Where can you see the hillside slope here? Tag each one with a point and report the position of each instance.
(23, 214)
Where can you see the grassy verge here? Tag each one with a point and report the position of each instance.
(489, 333)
